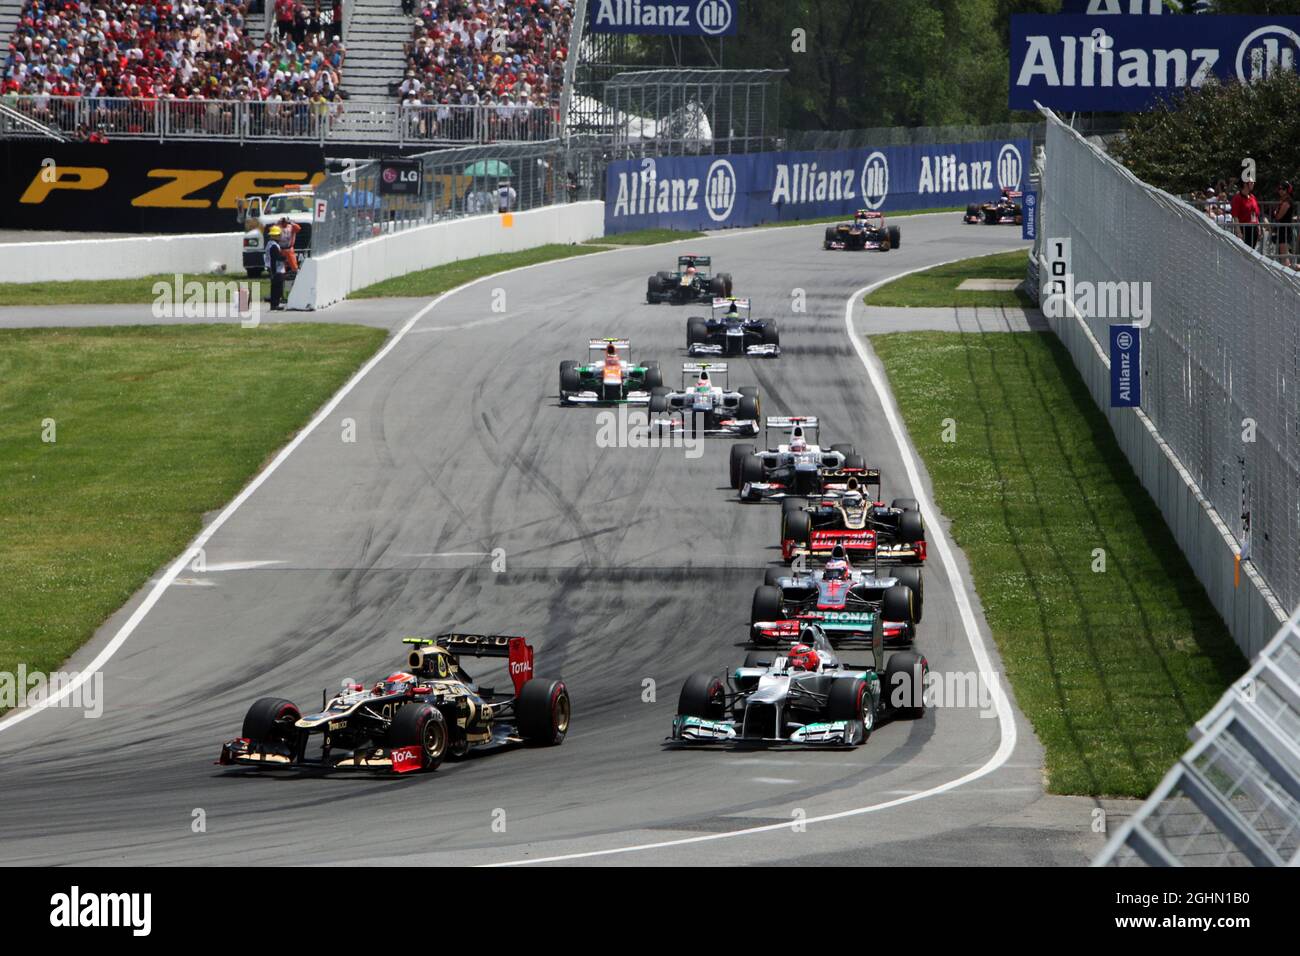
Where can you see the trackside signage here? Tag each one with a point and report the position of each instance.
(681, 18)
(713, 192)
(1127, 63)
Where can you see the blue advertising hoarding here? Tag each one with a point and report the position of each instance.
(1125, 366)
(713, 192)
(1029, 217)
(715, 18)
(1126, 64)
(1119, 7)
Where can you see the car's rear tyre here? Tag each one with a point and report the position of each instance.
(738, 455)
(899, 605)
(697, 330)
(766, 605)
(271, 720)
(772, 576)
(793, 503)
(702, 696)
(748, 409)
(798, 528)
(895, 236)
(905, 504)
(844, 448)
(718, 287)
(829, 238)
(751, 469)
(851, 700)
(904, 689)
(658, 400)
(422, 725)
(654, 378)
(542, 712)
(911, 527)
(653, 288)
(570, 381)
(911, 577)
(771, 333)
(854, 461)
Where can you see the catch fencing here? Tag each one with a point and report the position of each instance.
(1220, 375)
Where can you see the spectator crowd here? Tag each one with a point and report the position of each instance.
(1267, 225)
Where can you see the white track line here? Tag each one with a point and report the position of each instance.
(936, 535)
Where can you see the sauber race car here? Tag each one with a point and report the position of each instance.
(731, 330)
(692, 282)
(801, 693)
(1004, 211)
(849, 515)
(413, 719)
(845, 601)
(867, 230)
(703, 407)
(611, 379)
(798, 467)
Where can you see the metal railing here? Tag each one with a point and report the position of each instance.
(340, 121)
(1266, 237)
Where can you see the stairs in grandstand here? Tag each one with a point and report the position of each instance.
(376, 35)
(9, 10)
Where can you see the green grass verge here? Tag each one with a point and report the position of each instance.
(1111, 668)
(154, 426)
(647, 237)
(844, 217)
(97, 291)
(937, 287)
(435, 281)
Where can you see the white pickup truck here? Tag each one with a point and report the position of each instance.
(259, 213)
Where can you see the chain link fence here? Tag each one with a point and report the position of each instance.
(455, 183)
(1221, 358)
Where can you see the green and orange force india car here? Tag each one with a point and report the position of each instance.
(610, 377)
(412, 720)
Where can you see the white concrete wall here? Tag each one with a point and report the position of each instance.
(330, 278)
(126, 258)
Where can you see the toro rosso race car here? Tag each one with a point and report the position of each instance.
(730, 330)
(413, 719)
(692, 282)
(849, 516)
(703, 407)
(867, 230)
(1004, 211)
(611, 379)
(802, 694)
(798, 467)
(845, 601)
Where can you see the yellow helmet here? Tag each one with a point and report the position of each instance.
(273, 231)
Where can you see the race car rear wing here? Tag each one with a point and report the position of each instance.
(517, 650)
(742, 305)
(713, 368)
(599, 345)
(808, 423)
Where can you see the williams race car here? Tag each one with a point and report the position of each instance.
(1004, 211)
(803, 694)
(845, 601)
(867, 230)
(413, 719)
(798, 467)
(849, 516)
(610, 380)
(692, 282)
(731, 330)
(703, 407)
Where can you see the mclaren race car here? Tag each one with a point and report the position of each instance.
(867, 230)
(692, 282)
(611, 379)
(797, 467)
(845, 601)
(703, 407)
(801, 694)
(413, 719)
(1003, 211)
(731, 330)
(849, 516)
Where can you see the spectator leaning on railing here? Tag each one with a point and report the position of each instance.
(1245, 213)
(1283, 218)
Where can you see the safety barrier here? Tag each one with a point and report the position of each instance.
(125, 258)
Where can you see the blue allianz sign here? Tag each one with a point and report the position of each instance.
(1125, 366)
(681, 18)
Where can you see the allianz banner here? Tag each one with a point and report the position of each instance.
(1126, 64)
(683, 18)
(714, 192)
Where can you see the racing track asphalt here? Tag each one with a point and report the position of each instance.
(623, 566)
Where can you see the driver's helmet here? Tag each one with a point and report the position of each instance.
(399, 683)
(690, 270)
(734, 310)
(837, 569)
(852, 492)
(797, 444)
(803, 658)
(704, 384)
(611, 351)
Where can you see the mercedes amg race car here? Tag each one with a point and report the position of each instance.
(867, 230)
(844, 600)
(610, 380)
(797, 467)
(801, 694)
(692, 282)
(1003, 211)
(703, 407)
(413, 719)
(849, 516)
(731, 330)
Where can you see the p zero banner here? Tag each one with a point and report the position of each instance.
(139, 186)
(1126, 64)
(713, 192)
(680, 18)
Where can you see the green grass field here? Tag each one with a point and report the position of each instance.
(153, 427)
(98, 291)
(1111, 668)
(938, 286)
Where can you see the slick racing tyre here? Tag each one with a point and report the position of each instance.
(738, 455)
(422, 725)
(772, 576)
(905, 504)
(771, 333)
(653, 289)
(895, 236)
(844, 449)
(899, 605)
(854, 461)
(697, 330)
(851, 700)
(751, 469)
(766, 605)
(658, 400)
(270, 720)
(911, 578)
(830, 237)
(911, 527)
(798, 528)
(570, 382)
(718, 287)
(748, 409)
(726, 282)
(703, 696)
(542, 712)
(904, 689)
(654, 378)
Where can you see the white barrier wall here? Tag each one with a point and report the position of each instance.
(126, 258)
(330, 278)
